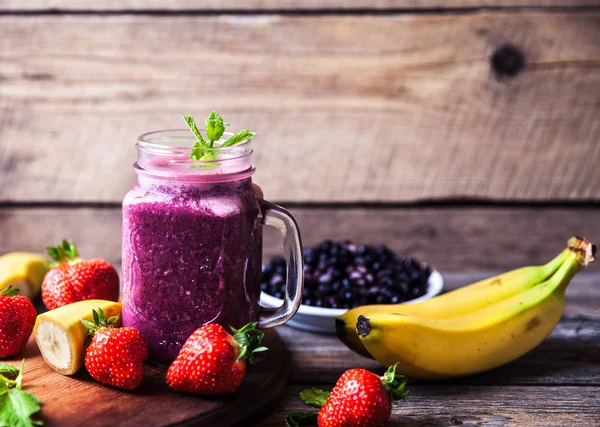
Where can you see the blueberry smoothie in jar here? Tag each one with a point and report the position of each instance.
(192, 239)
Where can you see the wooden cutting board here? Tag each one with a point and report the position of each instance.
(80, 400)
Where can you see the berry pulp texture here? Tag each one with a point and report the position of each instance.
(191, 255)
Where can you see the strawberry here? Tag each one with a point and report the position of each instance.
(212, 361)
(17, 317)
(72, 279)
(115, 356)
(362, 399)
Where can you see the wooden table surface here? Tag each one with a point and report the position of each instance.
(557, 384)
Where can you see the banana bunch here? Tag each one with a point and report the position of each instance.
(472, 329)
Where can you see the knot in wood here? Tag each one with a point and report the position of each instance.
(507, 61)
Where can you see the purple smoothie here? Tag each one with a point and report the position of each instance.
(191, 255)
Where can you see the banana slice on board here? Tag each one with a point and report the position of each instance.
(60, 335)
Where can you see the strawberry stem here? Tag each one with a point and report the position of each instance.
(100, 321)
(63, 253)
(250, 341)
(9, 292)
(394, 383)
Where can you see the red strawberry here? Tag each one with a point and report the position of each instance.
(115, 356)
(362, 399)
(73, 279)
(17, 317)
(212, 361)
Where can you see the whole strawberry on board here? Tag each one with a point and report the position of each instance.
(362, 399)
(114, 356)
(17, 317)
(213, 362)
(72, 279)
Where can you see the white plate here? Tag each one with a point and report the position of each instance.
(319, 319)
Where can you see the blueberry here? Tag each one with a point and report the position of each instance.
(395, 299)
(381, 299)
(325, 246)
(267, 268)
(319, 303)
(324, 289)
(278, 260)
(325, 278)
(362, 249)
(264, 286)
(277, 294)
(345, 283)
(374, 290)
(308, 301)
(276, 281)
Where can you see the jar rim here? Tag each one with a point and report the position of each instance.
(165, 154)
(147, 142)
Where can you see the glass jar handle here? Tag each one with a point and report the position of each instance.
(282, 220)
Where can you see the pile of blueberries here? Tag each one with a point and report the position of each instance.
(345, 275)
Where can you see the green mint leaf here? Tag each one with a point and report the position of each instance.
(215, 126)
(314, 396)
(17, 407)
(297, 419)
(209, 156)
(197, 151)
(192, 125)
(9, 371)
(19, 379)
(238, 137)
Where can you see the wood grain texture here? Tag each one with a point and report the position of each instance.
(258, 5)
(498, 406)
(459, 240)
(386, 107)
(80, 400)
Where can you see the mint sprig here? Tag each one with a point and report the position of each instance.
(314, 396)
(17, 406)
(215, 127)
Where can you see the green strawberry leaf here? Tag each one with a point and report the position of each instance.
(9, 292)
(314, 396)
(395, 383)
(9, 371)
(297, 419)
(215, 126)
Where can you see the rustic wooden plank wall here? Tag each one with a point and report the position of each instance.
(382, 108)
(274, 5)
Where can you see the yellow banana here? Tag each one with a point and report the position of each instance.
(478, 341)
(455, 303)
(60, 335)
(24, 271)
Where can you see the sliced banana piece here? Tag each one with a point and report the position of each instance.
(60, 335)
